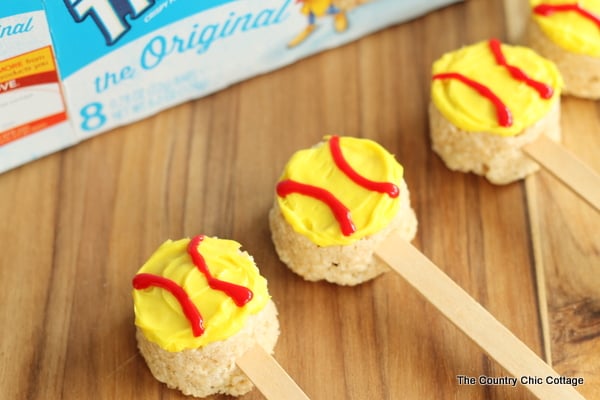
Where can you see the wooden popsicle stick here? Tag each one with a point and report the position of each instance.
(268, 376)
(565, 166)
(470, 317)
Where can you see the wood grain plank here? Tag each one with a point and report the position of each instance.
(567, 168)
(565, 243)
(566, 235)
(28, 204)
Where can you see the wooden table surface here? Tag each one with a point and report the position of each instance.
(76, 226)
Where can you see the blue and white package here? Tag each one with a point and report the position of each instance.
(122, 60)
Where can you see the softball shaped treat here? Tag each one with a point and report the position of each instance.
(199, 304)
(335, 202)
(568, 33)
(487, 101)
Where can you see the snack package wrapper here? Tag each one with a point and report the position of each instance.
(72, 69)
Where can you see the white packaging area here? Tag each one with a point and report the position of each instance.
(33, 117)
(123, 60)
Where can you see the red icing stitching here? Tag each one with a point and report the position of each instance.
(502, 112)
(239, 294)
(144, 281)
(381, 187)
(548, 9)
(339, 210)
(544, 90)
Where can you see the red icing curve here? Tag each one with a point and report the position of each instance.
(340, 211)
(381, 187)
(144, 281)
(549, 9)
(239, 294)
(544, 90)
(502, 112)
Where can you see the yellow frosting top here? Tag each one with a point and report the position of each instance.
(469, 110)
(570, 29)
(159, 313)
(369, 210)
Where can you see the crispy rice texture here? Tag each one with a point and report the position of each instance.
(580, 72)
(211, 369)
(498, 158)
(344, 265)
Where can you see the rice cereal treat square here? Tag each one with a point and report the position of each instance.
(488, 100)
(199, 305)
(568, 33)
(334, 203)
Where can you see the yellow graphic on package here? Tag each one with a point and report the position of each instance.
(30, 95)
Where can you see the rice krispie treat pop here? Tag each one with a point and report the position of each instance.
(342, 213)
(200, 306)
(335, 203)
(488, 100)
(568, 33)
